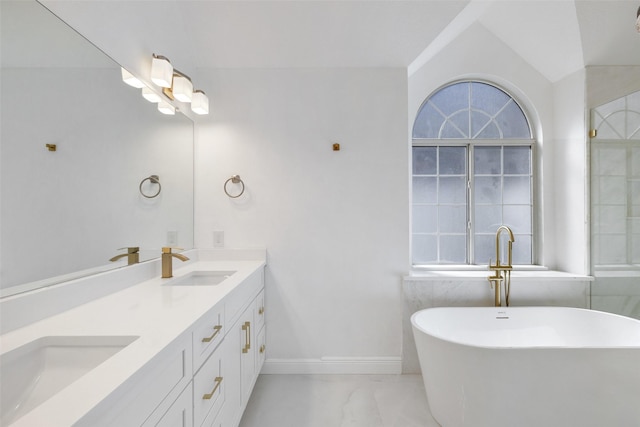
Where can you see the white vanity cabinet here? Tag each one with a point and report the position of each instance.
(205, 379)
(240, 351)
(230, 372)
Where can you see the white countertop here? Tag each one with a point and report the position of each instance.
(156, 313)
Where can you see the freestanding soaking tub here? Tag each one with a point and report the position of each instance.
(529, 366)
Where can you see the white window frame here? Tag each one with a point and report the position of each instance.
(470, 144)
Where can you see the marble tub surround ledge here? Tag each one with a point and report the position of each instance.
(160, 315)
(470, 288)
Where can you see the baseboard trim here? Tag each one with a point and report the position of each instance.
(334, 365)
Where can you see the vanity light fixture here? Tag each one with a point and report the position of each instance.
(150, 95)
(161, 71)
(175, 86)
(130, 79)
(165, 108)
(200, 102)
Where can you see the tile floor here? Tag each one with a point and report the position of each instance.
(338, 401)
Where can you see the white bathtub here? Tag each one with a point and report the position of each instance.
(529, 366)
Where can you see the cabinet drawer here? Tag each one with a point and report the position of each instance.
(151, 391)
(244, 294)
(180, 414)
(209, 388)
(207, 334)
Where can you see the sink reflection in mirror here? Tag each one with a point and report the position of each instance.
(201, 278)
(35, 372)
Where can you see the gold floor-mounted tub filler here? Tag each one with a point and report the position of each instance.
(502, 272)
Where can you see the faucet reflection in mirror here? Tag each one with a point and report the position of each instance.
(502, 272)
(174, 85)
(133, 255)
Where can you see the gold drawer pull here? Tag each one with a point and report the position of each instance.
(261, 310)
(262, 348)
(218, 381)
(247, 336)
(217, 330)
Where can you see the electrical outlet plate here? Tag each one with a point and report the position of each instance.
(218, 239)
(172, 238)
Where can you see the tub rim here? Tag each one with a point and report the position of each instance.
(441, 337)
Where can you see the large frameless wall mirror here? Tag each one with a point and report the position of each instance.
(66, 213)
(615, 205)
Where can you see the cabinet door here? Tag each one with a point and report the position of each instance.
(260, 311)
(261, 348)
(247, 353)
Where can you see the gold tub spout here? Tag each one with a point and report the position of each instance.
(502, 272)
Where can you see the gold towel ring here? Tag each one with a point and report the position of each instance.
(154, 179)
(235, 179)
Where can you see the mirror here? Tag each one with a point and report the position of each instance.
(65, 213)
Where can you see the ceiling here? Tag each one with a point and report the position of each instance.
(557, 37)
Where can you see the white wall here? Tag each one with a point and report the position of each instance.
(570, 188)
(335, 223)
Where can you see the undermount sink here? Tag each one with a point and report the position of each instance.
(35, 372)
(201, 278)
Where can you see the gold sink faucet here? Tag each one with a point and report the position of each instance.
(502, 272)
(167, 261)
(133, 257)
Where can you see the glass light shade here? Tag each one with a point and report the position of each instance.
(130, 79)
(150, 95)
(166, 108)
(161, 71)
(182, 88)
(200, 103)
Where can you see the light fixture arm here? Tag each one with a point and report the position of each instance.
(181, 74)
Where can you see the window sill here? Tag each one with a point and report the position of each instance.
(479, 272)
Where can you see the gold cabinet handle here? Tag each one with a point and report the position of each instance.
(247, 336)
(262, 348)
(216, 331)
(208, 396)
(261, 310)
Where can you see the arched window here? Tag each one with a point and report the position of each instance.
(472, 172)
